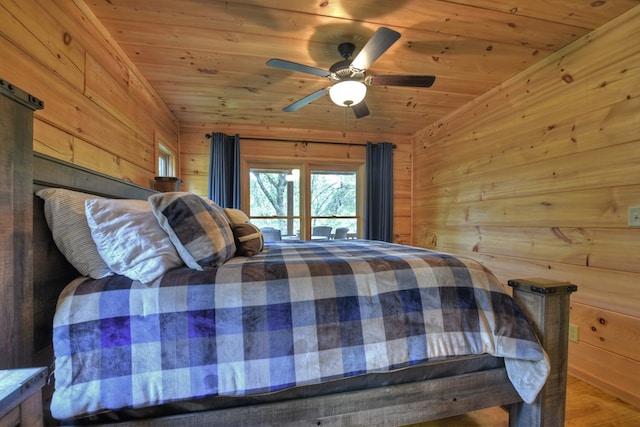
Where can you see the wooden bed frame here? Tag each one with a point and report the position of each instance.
(546, 303)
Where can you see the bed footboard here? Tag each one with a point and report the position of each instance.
(546, 305)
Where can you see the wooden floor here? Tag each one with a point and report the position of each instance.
(587, 406)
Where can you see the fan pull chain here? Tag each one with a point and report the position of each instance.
(345, 121)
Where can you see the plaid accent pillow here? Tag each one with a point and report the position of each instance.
(199, 230)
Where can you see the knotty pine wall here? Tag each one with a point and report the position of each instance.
(100, 113)
(535, 179)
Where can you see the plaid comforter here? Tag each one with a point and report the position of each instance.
(297, 313)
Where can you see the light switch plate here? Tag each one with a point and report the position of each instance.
(634, 217)
(574, 332)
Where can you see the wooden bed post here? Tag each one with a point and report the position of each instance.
(546, 305)
(16, 229)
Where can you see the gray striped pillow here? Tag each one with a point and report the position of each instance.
(65, 215)
(200, 231)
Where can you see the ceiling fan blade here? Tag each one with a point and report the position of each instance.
(360, 110)
(306, 100)
(400, 80)
(382, 40)
(294, 66)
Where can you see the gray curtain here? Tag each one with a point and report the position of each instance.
(378, 214)
(224, 170)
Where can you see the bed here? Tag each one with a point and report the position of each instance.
(327, 333)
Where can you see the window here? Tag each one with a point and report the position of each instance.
(334, 201)
(166, 162)
(275, 199)
(294, 199)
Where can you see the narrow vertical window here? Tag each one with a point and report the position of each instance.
(166, 161)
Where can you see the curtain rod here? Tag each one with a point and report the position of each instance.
(209, 136)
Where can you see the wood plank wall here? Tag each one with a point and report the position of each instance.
(99, 111)
(195, 150)
(535, 179)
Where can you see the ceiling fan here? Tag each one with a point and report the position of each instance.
(348, 77)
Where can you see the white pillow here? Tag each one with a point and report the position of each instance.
(129, 238)
(64, 212)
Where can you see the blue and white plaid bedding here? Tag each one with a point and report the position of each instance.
(297, 313)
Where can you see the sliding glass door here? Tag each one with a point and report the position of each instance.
(306, 201)
(275, 199)
(334, 203)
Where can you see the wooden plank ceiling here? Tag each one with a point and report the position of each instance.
(206, 58)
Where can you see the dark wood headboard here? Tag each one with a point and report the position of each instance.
(51, 271)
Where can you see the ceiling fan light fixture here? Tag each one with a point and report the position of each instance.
(347, 93)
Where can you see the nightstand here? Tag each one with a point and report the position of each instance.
(21, 396)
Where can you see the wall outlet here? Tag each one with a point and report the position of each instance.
(574, 332)
(634, 217)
